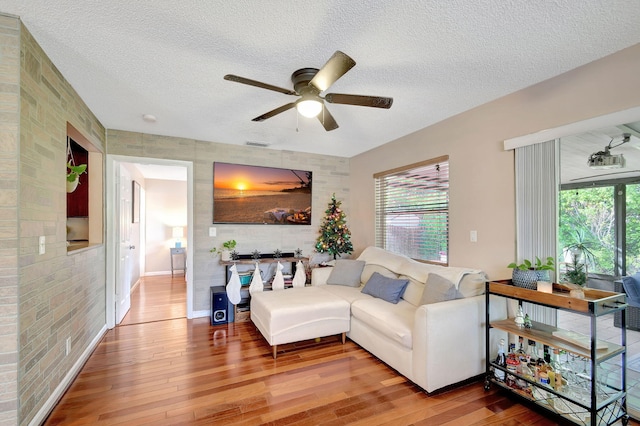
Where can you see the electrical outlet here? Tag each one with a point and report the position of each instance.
(67, 349)
(212, 231)
(473, 236)
(41, 244)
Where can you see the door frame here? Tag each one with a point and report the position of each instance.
(124, 195)
(111, 234)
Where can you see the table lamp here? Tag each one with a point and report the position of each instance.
(178, 233)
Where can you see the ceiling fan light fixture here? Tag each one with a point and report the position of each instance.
(308, 84)
(309, 107)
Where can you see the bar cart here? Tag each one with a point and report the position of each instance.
(586, 384)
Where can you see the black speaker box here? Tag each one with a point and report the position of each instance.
(219, 306)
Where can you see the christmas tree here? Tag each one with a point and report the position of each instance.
(335, 237)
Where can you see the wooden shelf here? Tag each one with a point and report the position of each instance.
(543, 333)
(596, 301)
(264, 260)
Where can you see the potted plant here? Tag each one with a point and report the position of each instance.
(528, 273)
(73, 175)
(581, 247)
(225, 250)
(576, 272)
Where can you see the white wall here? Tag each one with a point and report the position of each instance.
(482, 191)
(166, 207)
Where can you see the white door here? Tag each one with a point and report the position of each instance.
(123, 225)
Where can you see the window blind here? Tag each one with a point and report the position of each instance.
(537, 179)
(412, 210)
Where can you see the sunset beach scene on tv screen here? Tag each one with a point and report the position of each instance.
(257, 194)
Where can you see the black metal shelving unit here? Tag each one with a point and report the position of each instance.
(587, 398)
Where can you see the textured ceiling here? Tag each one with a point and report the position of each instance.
(435, 58)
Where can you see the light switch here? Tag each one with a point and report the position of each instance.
(212, 231)
(41, 244)
(473, 236)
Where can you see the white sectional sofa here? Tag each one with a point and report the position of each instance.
(434, 344)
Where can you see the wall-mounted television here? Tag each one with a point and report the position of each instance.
(261, 195)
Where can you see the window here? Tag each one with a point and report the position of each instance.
(412, 210)
(603, 217)
(85, 203)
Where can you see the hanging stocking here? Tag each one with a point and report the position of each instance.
(300, 278)
(233, 287)
(278, 280)
(256, 281)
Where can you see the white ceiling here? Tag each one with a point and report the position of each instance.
(163, 172)
(576, 149)
(435, 58)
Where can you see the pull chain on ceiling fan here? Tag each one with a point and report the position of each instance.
(308, 83)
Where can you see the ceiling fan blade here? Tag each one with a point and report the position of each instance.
(259, 84)
(276, 111)
(368, 101)
(327, 120)
(336, 67)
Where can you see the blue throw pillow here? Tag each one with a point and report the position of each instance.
(384, 288)
(631, 286)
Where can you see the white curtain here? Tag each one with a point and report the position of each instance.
(537, 184)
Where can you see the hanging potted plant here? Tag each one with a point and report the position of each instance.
(580, 248)
(73, 175)
(73, 171)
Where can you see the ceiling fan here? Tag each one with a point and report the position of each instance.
(308, 83)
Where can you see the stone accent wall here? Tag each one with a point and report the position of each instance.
(61, 296)
(330, 175)
(9, 154)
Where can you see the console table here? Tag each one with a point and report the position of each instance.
(245, 259)
(180, 252)
(241, 310)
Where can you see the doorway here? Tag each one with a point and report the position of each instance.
(157, 298)
(114, 203)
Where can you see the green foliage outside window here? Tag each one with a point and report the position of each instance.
(633, 229)
(588, 215)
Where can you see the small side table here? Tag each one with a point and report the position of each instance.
(182, 253)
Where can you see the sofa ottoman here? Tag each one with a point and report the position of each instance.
(297, 314)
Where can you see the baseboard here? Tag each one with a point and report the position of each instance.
(155, 273)
(134, 286)
(53, 399)
(200, 314)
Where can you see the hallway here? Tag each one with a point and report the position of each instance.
(157, 298)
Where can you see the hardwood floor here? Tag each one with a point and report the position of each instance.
(177, 371)
(156, 299)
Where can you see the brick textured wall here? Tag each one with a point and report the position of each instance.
(330, 175)
(9, 155)
(60, 296)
